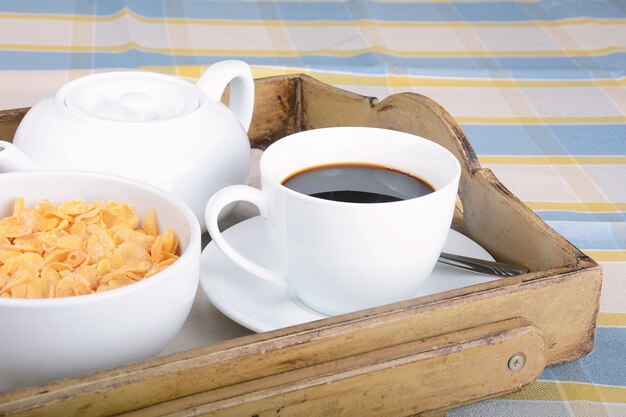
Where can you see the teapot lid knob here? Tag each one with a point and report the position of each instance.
(137, 102)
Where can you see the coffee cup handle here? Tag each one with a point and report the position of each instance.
(216, 204)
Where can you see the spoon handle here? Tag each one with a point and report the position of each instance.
(480, 266)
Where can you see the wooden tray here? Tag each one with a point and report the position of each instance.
(421, 356)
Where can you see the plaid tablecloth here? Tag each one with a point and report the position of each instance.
(538, 87)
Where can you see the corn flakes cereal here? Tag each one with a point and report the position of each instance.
(78, 248)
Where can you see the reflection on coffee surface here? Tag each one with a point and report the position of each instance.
(357, 183)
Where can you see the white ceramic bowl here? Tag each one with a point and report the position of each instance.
(46, 339)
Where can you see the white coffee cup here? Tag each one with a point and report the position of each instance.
(338, 257)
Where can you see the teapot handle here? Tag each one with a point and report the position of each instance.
(214, 80)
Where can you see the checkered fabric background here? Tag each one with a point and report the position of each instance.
(538, 87)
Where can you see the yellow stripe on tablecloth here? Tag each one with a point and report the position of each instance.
(593, 207)
(338, 78)
(606, 255)
(612, 319)
(552, 160)
(126, 13)
(570, 391)
(421, 81)
(323, 51)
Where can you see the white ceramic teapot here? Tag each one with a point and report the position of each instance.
(152, 127)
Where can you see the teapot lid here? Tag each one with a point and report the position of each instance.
(130, 96)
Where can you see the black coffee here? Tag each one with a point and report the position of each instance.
(357, 183)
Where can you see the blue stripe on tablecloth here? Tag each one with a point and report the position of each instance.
(580, 139)
(577, 216)
(592, 235)
(602, 366)
(344, 11)
(365, 63)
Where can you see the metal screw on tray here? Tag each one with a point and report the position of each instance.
(517, 362)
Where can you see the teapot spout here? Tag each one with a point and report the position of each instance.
(13, 159)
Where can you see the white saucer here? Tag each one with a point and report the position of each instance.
(261, 306)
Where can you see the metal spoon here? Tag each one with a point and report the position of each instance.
(480, 266)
